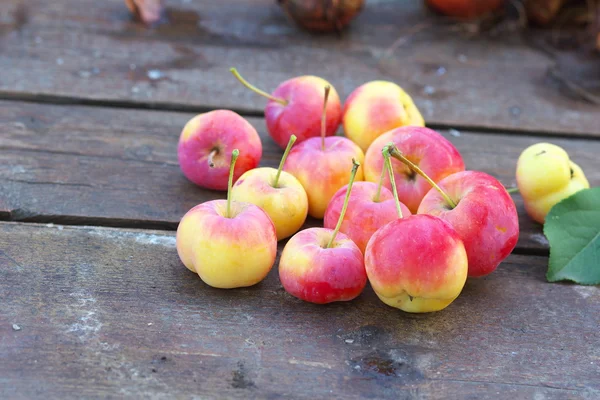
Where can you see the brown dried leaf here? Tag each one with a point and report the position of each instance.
(146, 11)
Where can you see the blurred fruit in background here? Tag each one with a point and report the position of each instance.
(465, 9)
(542, 12)
(322, 15)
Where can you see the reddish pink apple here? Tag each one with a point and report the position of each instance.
(320, 166)
(417, 263)
(206, 143)
(295, 108)
(485, 217)
(424, 147)
(321, 265)
(370, 207)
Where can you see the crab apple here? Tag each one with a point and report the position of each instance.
(229, 244)
(320, 166)
(205, 146)
(370, 207)
(545, 176)
(375, 108)
(321, 265)
(485, 217)
(426, 148)
(478, 207)
(278, 193)
(295, 108)
(417, 263)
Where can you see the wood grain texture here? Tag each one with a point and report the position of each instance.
(111, 312)
(102, 166)
(90, 50)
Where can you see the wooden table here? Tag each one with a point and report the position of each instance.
(94, 302)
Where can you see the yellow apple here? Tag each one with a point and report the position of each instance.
(545, 176)
(375, 108)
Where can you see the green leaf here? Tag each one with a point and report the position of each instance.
(573, 230)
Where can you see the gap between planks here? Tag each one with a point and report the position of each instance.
(186, 108)
(24, 217)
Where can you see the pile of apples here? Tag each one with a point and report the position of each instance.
(415, 224)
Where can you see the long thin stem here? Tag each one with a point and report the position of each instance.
(324, 117)
(512, 190)
(355, 165)
(388, 166)
(394, 152)
(244, 82)
(378, 193)
(283, 158)
(211, 155)
(234, 155)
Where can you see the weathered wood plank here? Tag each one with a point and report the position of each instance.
(91, 50)
(108, 312)
(116, 167)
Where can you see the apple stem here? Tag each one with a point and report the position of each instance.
(234, 155)
(211, 155)
(378, 193)
(512, 190)
(394, 152)
(255, 89)
(355, 165)
(283, 158)
(324, 117)
(388, 165)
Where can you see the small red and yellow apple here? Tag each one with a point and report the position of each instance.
(320, 166)
(370, 207)
(479, 209)
(277, 192)
(433, 153)
(229, 244)
(485, 217)
(205, 146)
(295, 107)
(416, 263)
(375, 108)
(321, 265)
(545, 176)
